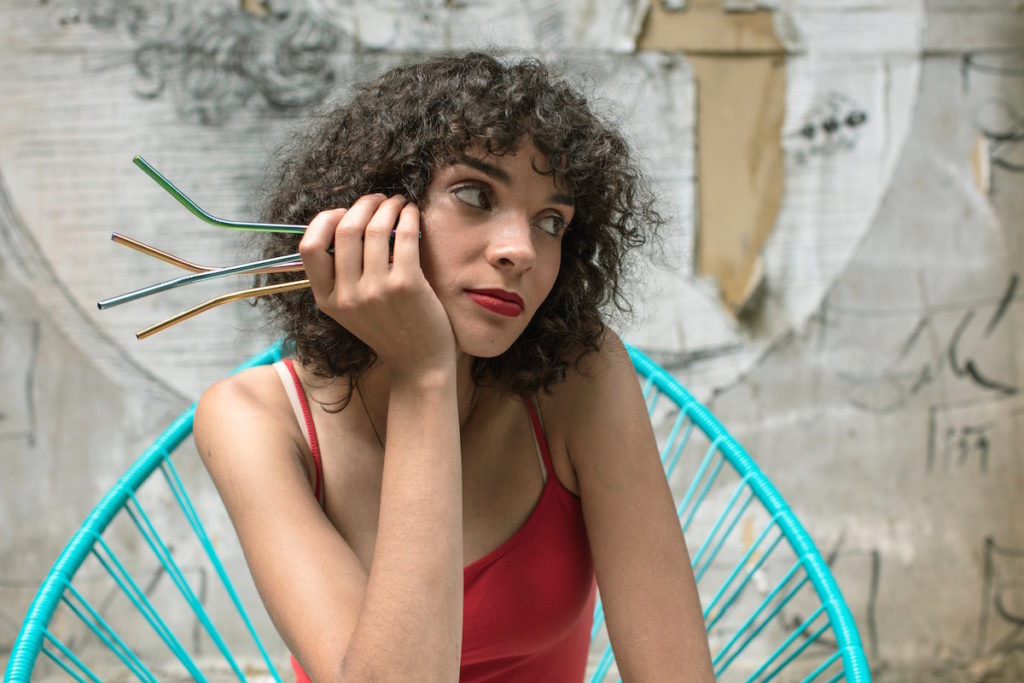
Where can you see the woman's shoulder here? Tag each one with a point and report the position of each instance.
(586, 406)
(251, 390)
(245, 423)
(251, 404)
(592, 377)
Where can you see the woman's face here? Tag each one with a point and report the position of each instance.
(492, 243)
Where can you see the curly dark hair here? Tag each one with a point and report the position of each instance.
(398, 129)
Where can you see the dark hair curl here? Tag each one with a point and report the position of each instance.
(398, 129)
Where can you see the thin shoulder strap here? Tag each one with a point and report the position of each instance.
(542, 441)
(297, 396)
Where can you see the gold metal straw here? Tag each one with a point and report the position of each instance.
(222, 299)
(164, 256)
(131, 243)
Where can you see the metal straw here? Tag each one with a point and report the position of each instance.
(205, 216)
(286, 260)
(222, 299)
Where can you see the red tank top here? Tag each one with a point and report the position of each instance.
(529, 603)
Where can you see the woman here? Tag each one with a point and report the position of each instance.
(428, 490)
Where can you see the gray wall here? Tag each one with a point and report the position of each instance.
(874, 373)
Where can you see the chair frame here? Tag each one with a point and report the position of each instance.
(849, 646)
(34, 637)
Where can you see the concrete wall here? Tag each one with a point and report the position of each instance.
(847, 185)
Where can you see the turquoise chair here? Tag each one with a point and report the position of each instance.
(771, 606)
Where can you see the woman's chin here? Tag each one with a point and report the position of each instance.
(481, 346)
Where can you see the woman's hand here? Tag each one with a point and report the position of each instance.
(385, 301)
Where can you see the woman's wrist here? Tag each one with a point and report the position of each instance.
(435, 378)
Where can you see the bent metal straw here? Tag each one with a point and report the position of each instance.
(205, 216)
(287, 263)
(222, 299)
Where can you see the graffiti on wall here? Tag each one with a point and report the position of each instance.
(215, 60)
(1001, 625)
(994, 84)
(18, 367)
(834, 123)
(948, 342)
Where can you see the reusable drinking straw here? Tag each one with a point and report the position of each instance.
(222, 299)
(148, 250)
(287, 263)
(255, 266)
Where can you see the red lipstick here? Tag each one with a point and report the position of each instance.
(508, 304)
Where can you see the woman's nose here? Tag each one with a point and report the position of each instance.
(511, 244)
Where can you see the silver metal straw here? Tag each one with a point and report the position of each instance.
(287, 259)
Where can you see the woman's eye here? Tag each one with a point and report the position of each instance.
(474, 196)
(552, 225)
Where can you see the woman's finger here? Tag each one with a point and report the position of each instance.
(348, 240)
(316, 260)
(407, 239)
(376, 242)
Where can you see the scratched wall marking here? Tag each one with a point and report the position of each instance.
(994, 83)
(18, 356)
(967, 436)
(1001, 625)
(834, 124)
(952, 342)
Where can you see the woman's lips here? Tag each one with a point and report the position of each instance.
(508, 304)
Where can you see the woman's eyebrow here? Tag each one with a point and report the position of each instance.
(562, 199)
(489, 169)
(500, 174)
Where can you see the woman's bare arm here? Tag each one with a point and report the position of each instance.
(403, 619)
(410, 625)
(642, 565)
